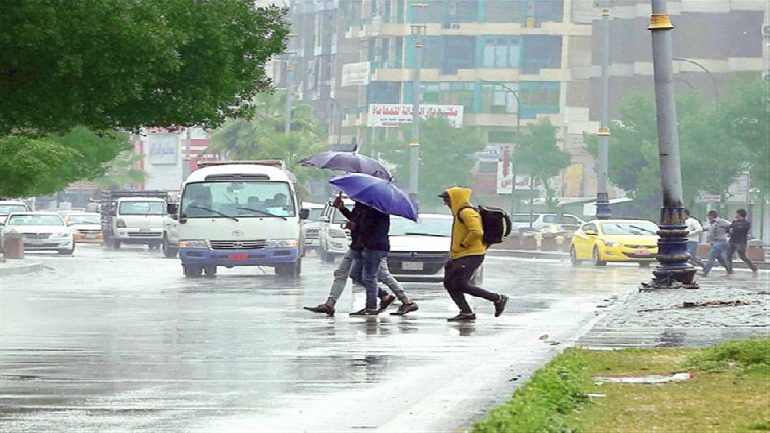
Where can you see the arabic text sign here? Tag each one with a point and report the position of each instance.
(393, 115)
(163, 149)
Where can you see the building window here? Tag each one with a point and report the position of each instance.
(540, 52)
(539, 98)
(504, 11)
(446, 94)
(501, 52)
(497, 99)
(459, 53)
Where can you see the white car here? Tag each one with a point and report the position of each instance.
(419, 250)
(8, 206)
(43, 231)
(545, 222)
(333, 236)
(311, 225)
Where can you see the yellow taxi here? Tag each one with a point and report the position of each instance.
(615, 240)
(86, 226)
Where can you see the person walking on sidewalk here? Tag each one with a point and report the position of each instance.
(371, 248)
(717, 237)
(342, 273)
(739, 240)
(467, 254)
(694, 229)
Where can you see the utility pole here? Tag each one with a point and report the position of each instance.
(414, 145)
(287, 109)
(186, 169)
(674, 270)
(603, 211)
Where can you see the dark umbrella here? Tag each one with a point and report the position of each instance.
(347, 161)
(377, 193)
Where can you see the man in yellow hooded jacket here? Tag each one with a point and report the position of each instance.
(467, 254)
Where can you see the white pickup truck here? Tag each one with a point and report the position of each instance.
(134, 217)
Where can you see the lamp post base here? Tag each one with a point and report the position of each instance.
(675, 271)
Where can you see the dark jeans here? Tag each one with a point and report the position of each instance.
(457, 276)
(741, 249)
(366, 265)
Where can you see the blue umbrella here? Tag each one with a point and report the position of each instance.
(377, 193)
(347, 161)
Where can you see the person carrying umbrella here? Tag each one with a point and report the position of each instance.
(342, 272)
(467, 254)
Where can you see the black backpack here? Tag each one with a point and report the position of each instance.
(495, 222)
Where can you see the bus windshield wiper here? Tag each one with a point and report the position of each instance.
(262, 212)
(215, 211)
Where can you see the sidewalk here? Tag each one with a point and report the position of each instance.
(18, 266)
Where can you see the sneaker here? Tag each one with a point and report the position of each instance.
(727, 275)
(405, 308)
(366, 312)
(462, 317)
(385, 302)
(323, 308)
(755, 273)
(500, 305)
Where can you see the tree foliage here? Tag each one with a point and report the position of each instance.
(444, 160)
(715, 145)
(263, 137)
(41, 166)
(107, 64)
(538, 154)
(122, 173)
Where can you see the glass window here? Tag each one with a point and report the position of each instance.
(540, 52)
(315, 214)
(84, 219)
(496, 98)
(35, 220)
(142, 208)
(639, 228)
(501, 52)
(226, 199)
(504, 11)
(424, 226)
(339, 218)
(5, 209)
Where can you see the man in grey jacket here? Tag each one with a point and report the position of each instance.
(717, 229)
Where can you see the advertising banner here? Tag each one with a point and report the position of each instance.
(163, 149)
(356, 74)
(393, 115)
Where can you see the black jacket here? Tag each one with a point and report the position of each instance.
(374, 228)
(739, 232)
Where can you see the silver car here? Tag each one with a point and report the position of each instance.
(42, 231)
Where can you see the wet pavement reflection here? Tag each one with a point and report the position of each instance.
(116, 341)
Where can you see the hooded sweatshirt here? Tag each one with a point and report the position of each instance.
(467, 231)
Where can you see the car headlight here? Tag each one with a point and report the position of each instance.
(337, 234)
(281, 243)
(119, 223)
(193, 243)
(61, 234)
(610, 243)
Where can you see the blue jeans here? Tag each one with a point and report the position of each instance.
(692, 248)
(717, 253)
(384, 276)
(366, 265)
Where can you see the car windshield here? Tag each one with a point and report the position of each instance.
(640, 228)
(560, 219)
(5, 209)
(228, 199)
(315, 214)
(424, 226)
(141, 208)
(35, 220)
(522, 218)
(339, 218)
(84, 219)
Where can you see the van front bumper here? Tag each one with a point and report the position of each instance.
(261, 257)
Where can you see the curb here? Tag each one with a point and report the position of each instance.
(21, 269)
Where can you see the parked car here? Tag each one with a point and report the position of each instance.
(8, 206)
(311, 225)
(545, 222)
(86, 226)
(615, 240)
(42, 231)
(419, 250)
(333, 236)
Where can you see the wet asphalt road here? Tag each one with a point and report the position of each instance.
(118, 341)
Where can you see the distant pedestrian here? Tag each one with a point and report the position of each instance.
(342, 273)
(717, 229)
(467, 254)
(739, 240)
(694, 229)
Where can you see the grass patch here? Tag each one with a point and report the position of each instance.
(729, 393)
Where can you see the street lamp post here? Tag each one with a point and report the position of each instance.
(602, 192)
(414, 145)
(674, 270)
(515, 94)
(711, 77)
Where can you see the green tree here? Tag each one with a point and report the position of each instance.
(124, 64)
(122, 173)
(263, 137)
(41, 166)
(538, 154)
(444, 159)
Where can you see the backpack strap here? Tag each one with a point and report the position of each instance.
(459, 211)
